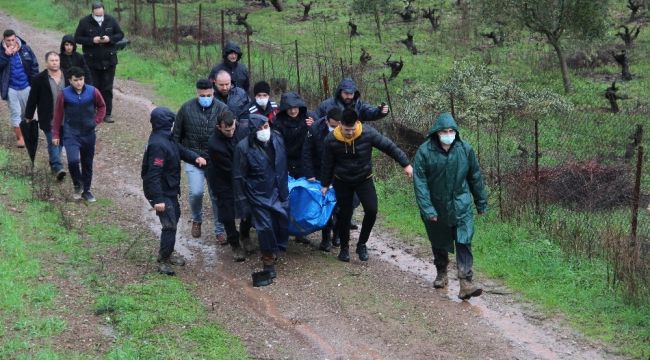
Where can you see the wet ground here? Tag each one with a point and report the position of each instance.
(318, 307)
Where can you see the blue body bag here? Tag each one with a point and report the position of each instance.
(309, 210)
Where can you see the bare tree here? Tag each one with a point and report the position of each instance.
(497, 36)
(612, 96)
(277, 5)
(353, 29)
(634, 6)
(409, 43)
(624, 61)
(409, 12)
(430, 14)
(395, 67)
(242, 20)
(306, 10)
(628, 36)
(365, 57)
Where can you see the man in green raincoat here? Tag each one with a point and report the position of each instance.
(446, 177)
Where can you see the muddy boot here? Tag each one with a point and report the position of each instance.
(441, 278)
(326, 242)
(344, 254)
(468, 289)
(165, 267)
(362, 251)
(268, 264)
(177, 259)
(238, 253)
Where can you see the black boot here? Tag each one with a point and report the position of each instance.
(268, 263)
(344, 254)
(326, 242)
(362, 251)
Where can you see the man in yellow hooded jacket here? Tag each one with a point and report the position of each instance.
(347, 165)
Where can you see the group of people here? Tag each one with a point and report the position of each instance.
(245, 148)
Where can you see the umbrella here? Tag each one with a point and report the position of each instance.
(30, 134)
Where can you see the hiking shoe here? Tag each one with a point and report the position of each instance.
(362, 251)
(76, 194)
(60, 175)
(88, 196)
(238, 254)
(441, 280)
(344, 255)
(196, 229)
(108, 119)
(165, 267)
(221, 240)
(468, 289)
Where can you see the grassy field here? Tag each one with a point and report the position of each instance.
(537, 262)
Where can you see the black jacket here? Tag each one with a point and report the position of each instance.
(365, 111)
(238, 71)
(74, 59)
(40, 100)
(293, 131)
(194, 125)
(312, 150)
(161, 164)
(353, 162)
(99, 56)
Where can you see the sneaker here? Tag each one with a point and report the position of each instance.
(344, 255)
(362, 251)
(108, 119)
(60, 175)
(196, 229)
(77, 193)
(88, 196)
(165, 267)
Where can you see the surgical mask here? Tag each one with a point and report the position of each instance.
(447, 139)
(99, 19)
(262, 101)
(263, 135)
(205, 101)
(330, 128)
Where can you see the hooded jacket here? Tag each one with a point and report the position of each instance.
(237, 101)
(99, 56)
(74, 59)
(366, 111)
(350, 160)
(161, 168)
(312, 149)
(445, 183)
(293, 131)
(27, 58)
(194, 125)
(238, 71)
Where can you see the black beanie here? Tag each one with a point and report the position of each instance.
(349, 117)
(261, 87)
(334, 113)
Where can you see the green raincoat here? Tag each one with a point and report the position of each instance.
(443, 182)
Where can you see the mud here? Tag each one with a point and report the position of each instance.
(318, 307)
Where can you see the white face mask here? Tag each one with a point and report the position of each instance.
(262, 101)
(99, 19)
(330, 128)
(447, 139)
(263, 135)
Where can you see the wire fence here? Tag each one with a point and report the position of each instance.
(580, 174)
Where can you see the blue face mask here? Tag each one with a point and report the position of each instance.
(447, 139)
(205, 101)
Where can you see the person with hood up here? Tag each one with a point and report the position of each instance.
(347, 165)
(447, 177)
(262, 103)
(347, 96)
(236, 98)
(232, 54)
(98, 34)
(221, 152)
(69, 57)
(161, 182)
(261, 182)
(18, 68)
(312, 155)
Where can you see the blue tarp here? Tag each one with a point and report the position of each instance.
(309, 210)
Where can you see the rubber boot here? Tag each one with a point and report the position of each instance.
(268, 263)
(441, 278)
(326, 242)
(20, 141)
(468, 289)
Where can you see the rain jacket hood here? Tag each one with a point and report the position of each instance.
(444, 121)
(68, 39)
(162, 119)
(348, 85)
(290, 100)
(231, 47)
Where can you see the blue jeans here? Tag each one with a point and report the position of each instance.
(80, 151)
(54, 152)
(196, 182)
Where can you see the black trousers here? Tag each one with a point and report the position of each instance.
(169, 221)
(367, 194)
(231, 230)
(103, 81)
(464, 260)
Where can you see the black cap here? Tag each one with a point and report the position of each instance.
(203, 84)
(349, 117)
(261, 87)
(334, 113)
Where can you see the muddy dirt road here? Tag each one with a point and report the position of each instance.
(318, 307)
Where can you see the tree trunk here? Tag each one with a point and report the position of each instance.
(563, 66)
